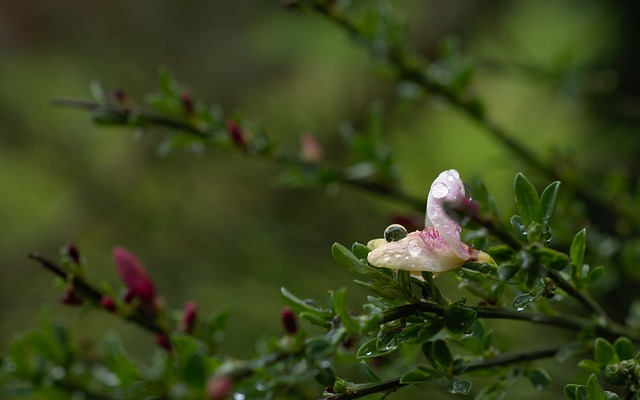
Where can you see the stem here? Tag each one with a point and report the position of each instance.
(94, 295)
(566, 322)
(388, 385)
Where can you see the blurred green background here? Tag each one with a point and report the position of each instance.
(214, 227)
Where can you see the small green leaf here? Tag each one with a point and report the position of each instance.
(318, 348)
(553, 258)
(577, 250)
(624, 348)
(570, 391)
(355, 265)
(458, 318)
(459, 386)
(548, 203)
(429, 352)
(359, 250)
(370, 349)
(527, 200)
(539, 378)
(521, 301)
(594, 275)
(443, 355)
(519, 228)
(589, 366)
(368, 372)
(594, 390)
(340, 307)
(604, 352)
(415, 376)
(298, 306)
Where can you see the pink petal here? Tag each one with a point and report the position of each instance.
(134, 275)
(448, 187)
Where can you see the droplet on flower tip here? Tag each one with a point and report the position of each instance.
(439, 190)
(395, 232)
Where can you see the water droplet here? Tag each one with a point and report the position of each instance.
(439, 190)
(520, 308)
(238, 396)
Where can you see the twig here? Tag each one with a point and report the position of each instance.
(94, 295)
(388, 385)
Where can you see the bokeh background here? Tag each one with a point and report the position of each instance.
(215, 227)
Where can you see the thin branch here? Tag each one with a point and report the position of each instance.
(92, 294)
(388, 385)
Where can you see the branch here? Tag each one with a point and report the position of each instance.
(389, 385)
(94, 295)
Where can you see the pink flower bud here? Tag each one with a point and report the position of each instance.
(134, 275)
(71, 298)
(108, 304)
(187, 102)
(237, 135)
(162, 340)
(72, 252)
(189, 317)
(289, 321)
(219, 387)
(310, 149)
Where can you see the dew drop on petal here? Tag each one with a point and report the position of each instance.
(439, 190)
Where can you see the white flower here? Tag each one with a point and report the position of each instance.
(437, 248)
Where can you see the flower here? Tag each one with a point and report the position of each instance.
(437, 248)
(134, 276)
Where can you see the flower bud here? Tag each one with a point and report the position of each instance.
(72, 252)
(310, 149)
(162, 340)
(237, 135)
(189, 317)
(289, 321)
(187, 102)
(71, 298)
(108, 304)
(219, 387)
(134, 276)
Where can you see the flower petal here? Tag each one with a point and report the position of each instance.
(448, 187)
(419, 251)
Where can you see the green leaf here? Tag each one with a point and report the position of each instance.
(548, 203)
(539, 378)
(553, 258)
(442, 354)
(429, 352)
(415, 376)
(624, 348)
(594, 390)
(604, 352)
(458, 318)
(360, 251)
(370, 349)
(299, 306)
(519, 228)
(589, 366)
(355, 265)
(368, 372)
(527, 200)
(570, 391)
(594, 275)
(522, 300)
(578, 248)
(318, 348)
(459, 386)
(340, 307)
